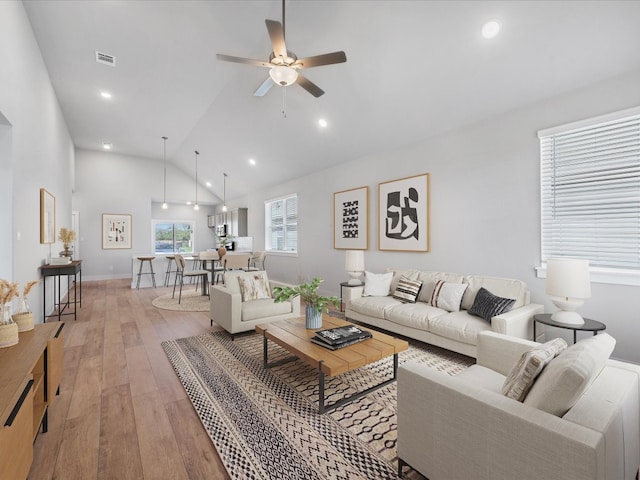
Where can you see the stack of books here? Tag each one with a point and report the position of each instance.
(339, 337)
(60, 260)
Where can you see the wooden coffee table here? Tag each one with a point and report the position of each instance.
(296, 339)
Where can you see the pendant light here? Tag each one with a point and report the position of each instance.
(196, 206)
(164, 195)
(224, 193)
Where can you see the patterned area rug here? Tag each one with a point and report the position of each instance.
(192, 301)
(264, 423)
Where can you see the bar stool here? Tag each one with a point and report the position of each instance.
(167, 275)
(140, 272)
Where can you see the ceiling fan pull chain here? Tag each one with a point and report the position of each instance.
(284, 102)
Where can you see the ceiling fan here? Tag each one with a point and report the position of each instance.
(284, 65)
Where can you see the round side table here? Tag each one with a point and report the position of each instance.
(588, 325)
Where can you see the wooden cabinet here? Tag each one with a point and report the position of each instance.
(30, 374)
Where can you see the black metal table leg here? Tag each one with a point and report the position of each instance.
(321, 399)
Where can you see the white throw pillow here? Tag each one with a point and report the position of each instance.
(377, 284)
(447, 295)
(565, 379)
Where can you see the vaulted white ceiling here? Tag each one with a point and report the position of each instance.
(414, 69)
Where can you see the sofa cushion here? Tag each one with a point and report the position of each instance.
(264, 307)
(502, 287)
(373, 306)
(377, 284)
(565, 379)
(407, 290)
(429, 280)
(399, 272)
(447, 295)
(254, 285)
(487, 305)
(458, 326)
(522, 375)
(414, 315)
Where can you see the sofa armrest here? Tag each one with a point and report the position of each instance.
(448, 428)
(226, 307)
(517, 322)
(500, 352)
(351, 293)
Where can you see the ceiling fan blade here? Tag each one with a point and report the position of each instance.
(309, 86)
(319, 60)
(246, 61)
(264, 88)
(276, 33)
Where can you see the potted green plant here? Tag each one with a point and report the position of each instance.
(314, 302)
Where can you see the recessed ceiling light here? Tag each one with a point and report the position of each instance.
(106, 145)
(322, 122)
(105, 94)
(491, 29)
(252, 161)
(208, 184)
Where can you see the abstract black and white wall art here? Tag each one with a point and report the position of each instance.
(351, 219)
(403, 214)
(116, 231)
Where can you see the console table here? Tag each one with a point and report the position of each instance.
(57, 271)
(30, 374)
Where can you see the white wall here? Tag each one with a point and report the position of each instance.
(485, 213)
(36, 152)
(113, 183)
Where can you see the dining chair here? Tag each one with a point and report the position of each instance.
(200, 275)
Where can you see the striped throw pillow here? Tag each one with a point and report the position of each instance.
(407, 290)
(488, 305)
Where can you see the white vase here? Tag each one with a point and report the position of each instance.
(313, 317)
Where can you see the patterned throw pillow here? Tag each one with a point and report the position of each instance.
(447, 295)
(407, 290)
(531, 363)
(488, 305)
(254, 286)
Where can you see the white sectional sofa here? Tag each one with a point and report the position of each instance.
(447, 328)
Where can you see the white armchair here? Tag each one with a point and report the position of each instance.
(459, 427)
(235, 315)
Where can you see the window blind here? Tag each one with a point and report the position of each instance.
(282, 224)
(590, 192)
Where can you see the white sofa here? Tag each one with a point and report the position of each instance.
(453, 330)
(235, 315)
(462, 427)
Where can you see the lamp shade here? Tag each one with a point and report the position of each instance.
(354, 261)
(568, 277)
(283, 75)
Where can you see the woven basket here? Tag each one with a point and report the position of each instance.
(8, 335)
(24, 321)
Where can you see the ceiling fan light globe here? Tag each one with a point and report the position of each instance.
(283, 75)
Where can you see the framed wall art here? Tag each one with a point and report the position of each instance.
(403, 214)
(47, 217)
(116, 231)
(351, 219)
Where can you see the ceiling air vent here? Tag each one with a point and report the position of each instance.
(105, 59)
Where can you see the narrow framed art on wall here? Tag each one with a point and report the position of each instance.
(116, 231)
(351, 219)
(403, 214)
(47, 217)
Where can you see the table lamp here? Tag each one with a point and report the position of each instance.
(568, 284)
(354, 265)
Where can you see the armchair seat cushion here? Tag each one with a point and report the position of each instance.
(263, 307)
(482, 377)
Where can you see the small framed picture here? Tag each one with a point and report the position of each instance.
(116, 231)
(47, 217)
(351, 219)
(403, 214)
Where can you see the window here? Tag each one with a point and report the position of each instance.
(173, 237)
(590, 192)
(281, 222)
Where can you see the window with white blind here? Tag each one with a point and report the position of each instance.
(281, 222)
(590, 192)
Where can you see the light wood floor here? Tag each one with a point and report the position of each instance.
(122, 412)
